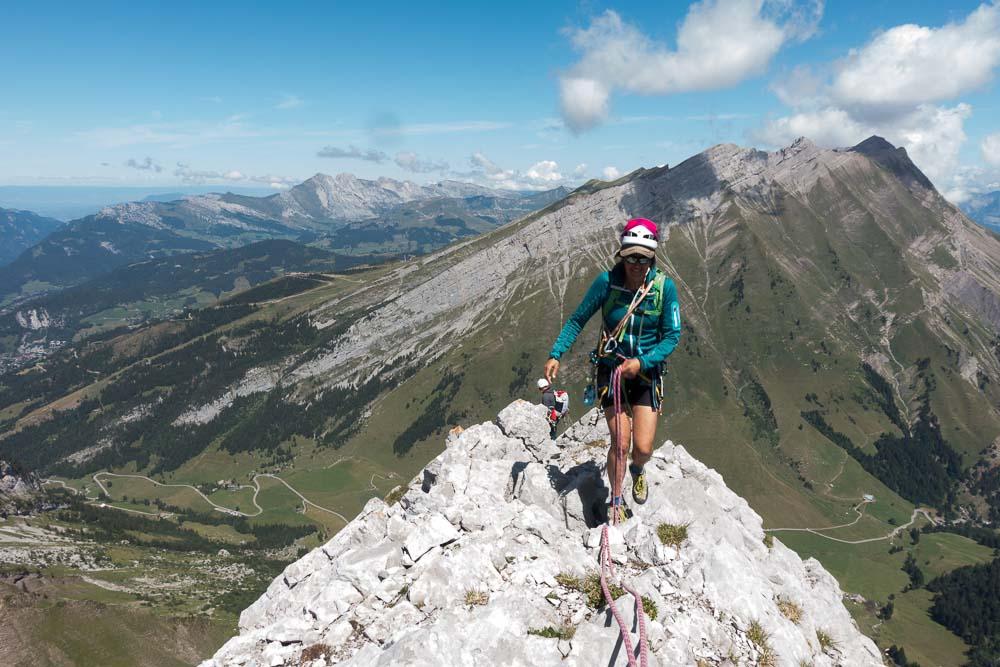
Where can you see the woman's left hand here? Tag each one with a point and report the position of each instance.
(630, 368)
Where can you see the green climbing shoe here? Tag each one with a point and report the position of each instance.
(640, 490)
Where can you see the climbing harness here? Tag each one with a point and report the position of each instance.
(607, 564)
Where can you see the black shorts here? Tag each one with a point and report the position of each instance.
(634, 392)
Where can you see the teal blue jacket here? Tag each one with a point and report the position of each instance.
(649, 336)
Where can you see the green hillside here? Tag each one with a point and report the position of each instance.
(160, 288)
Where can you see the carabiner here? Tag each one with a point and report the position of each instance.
(610, 345)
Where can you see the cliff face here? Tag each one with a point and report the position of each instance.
(491, 547)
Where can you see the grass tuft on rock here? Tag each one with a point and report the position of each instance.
(567, 580)
(756, 634)
(649, 608)
(758, 637)
(790, 610)
(395, 495)
(767, 657)
(769, 540)
(672, 535)
(548, 632)
(825, 640)
(591, 588)
(476, 598)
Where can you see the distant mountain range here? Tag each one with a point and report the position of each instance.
(342, 214)
(985, 209)
(71, 202)
(19, 230)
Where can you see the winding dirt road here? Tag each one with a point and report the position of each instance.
(857, 508)
(222, 508)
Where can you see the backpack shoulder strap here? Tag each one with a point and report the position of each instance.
(659, 281)
(611, 294)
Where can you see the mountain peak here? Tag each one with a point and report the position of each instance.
(894, 159)
(490, 558)
(873, 145)
(803, 142)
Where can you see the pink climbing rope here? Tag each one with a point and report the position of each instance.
(607, 564)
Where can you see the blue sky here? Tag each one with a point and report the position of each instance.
(516, 94)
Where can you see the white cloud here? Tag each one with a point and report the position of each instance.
(290, 102)
(893, 86)
(539, 176)
(491, 169)
(932, 135)
(610, 173)
(719, 44)
(579, 170)
(971, 182)
(991, 149)
(909, 65)
(802, 87)
(545, 171)
(412, 162)
(189, 175)
(145, 165)
(584, 102)
(353, 153)
(829, 127)
(407, 160)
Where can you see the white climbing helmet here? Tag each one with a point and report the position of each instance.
(639, 238)
(543, 383)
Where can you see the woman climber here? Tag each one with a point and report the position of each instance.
(641, 327)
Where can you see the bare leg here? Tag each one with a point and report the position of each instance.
(626, 423)
(644, 431)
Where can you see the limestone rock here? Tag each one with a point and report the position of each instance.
(486, 558)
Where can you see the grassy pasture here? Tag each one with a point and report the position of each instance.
(870, 570)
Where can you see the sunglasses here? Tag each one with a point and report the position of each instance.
(632, 259)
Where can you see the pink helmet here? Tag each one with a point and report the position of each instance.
(639, 238)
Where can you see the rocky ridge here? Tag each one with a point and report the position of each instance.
(489, 549)
(347, 197)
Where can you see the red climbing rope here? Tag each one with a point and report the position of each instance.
(607, 565)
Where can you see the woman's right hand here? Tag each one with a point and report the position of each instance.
(551, 369)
